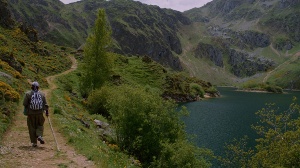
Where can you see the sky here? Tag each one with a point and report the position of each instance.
(180, 5)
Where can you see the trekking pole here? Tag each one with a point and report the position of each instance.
(53, 133)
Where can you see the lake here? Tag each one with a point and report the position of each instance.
(219, 120)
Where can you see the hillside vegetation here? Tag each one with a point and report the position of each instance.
(139, 91)
(224, 42)
(20, 60)
(254, 40)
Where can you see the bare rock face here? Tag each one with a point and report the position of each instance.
(288, 3)
(30, 32)
(244, 64)
(11, 60)
(209, 51)
(6, 20)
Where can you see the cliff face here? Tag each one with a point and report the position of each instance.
(147, 31)
(244, 64)
(209, 51)
(5, 15)
(138, 29)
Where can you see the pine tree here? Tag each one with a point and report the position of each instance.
(97, 63)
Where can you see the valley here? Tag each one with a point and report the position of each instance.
(117, 72)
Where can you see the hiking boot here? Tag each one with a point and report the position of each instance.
(34, 145)
(40, 138)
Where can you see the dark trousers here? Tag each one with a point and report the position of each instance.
(35, 123)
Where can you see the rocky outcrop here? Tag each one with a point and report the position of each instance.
(30, 32)
(147, 31)
(11, 60)
(244, 64)
(227, 6)
(288, 3)
(283, 44)
(209, 51)
(288, 24)
(254, 39)
(6, 20)
(137, 29)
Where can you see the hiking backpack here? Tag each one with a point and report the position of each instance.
(36, 102)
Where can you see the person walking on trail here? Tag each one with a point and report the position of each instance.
(34, 106)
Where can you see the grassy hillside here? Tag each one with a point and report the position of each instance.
(23, 60)
(218, 19)
(72, 112)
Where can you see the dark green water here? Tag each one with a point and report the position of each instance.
(220, 120)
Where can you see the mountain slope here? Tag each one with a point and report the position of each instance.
(252, 36)
(138, 29)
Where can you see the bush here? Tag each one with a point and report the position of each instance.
(9, 93)
(197, 90)
(212, 90)
(97, 101)
(57, 110)
(183, 154)
(146, 125)
(274, 89)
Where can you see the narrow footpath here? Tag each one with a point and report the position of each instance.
(16, 150)
(293, 58)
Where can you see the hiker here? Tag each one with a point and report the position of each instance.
(34, 106)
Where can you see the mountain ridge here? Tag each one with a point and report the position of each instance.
(252, 27)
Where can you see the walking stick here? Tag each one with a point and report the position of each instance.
(53, 133)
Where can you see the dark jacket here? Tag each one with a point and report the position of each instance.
(26, 103)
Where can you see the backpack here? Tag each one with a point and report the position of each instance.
(36, 102)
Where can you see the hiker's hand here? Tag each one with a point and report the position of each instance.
(47, 113)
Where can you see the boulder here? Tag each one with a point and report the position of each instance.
(11, 60)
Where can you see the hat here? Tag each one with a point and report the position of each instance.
(35, 84)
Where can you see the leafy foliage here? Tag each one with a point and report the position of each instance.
(196, 89)
(147, 126)
(97, 61)
(278, 145)
(237, 154)
(262, 87)
(8, 93)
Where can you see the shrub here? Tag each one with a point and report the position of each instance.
(196, 90)
(9, 93)
(97, 101)
(146, 125)
(274, 89)
(183, 154)
(57, 110)
(212, 90)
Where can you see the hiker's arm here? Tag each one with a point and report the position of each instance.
(25, 101)
(46, 107)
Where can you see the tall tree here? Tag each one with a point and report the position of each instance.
(97, 63)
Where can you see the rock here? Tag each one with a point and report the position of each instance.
(254, 39)
(288, 3)
(11, 60)
(101, 124)
(30, 32)
(209, 51)
(5, 75)
(283, 44)
(245, 65)
(6, 20)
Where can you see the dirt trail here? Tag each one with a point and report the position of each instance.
(293, 58)
(16, 150)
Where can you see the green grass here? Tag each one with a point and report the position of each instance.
(86, 141)
(35, 66)
(287, 76)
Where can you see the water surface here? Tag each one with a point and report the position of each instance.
(219, 120)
